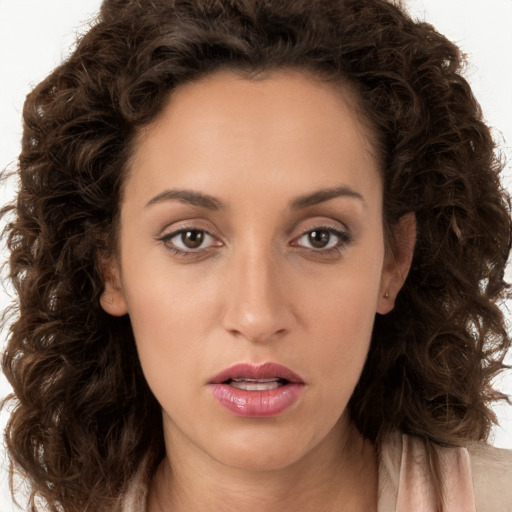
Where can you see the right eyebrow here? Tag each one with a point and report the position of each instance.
(188, 196)
(323, 195)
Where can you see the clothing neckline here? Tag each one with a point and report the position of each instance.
(404, 483)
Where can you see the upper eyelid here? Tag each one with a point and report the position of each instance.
(170, 235)
(170, 230)
(325, 225)
(345, 237)
(321, 220)
(335, 227)
(174, 232)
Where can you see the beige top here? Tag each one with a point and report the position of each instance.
(476, 479)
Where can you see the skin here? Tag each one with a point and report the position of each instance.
(257, 289)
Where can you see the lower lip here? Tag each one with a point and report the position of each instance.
(257, 404)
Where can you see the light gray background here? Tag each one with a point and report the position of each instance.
(36, 34)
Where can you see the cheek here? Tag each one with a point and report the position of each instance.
(163, 297)
(341, 333)
(169, 320)
(341, 315)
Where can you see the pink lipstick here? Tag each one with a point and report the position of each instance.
(257, 391)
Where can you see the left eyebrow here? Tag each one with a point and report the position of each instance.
(323, 195)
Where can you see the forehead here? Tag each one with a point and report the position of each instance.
(263, 97)
(287, 124)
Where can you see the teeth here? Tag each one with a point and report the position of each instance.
(255, 384)
(246, 379)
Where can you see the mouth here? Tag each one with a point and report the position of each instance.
(257, 391)
(256, 384)
(267, 374)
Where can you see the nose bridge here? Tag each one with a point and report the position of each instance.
(256, 305)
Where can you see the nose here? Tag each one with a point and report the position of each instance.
(257, 303)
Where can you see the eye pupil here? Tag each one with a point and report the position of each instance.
(319, 238)
(192, 239)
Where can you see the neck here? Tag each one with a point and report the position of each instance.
(339, 474)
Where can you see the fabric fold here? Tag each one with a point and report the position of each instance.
(416, 488)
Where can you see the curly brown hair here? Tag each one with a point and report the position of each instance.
(84, 419)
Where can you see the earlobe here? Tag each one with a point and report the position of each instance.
(397, 262)
(112, 298)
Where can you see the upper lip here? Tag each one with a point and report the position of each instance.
(257, 371)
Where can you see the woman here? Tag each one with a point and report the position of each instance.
(258, 248)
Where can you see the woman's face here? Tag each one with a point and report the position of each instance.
(252, 263)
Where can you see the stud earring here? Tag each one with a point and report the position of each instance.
(386, 295)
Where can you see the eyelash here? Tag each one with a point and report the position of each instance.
(344, 240)
(165, 239)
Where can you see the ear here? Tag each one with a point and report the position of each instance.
(112, 298)
(397, 261)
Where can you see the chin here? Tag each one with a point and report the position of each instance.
(260, 460)
(265, 449)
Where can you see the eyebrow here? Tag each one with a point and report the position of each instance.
(323, 195)
(212, 203)
(188, 196)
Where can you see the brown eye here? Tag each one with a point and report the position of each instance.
(192, 239)
(319, 238)
(189, 241)
(322, 239)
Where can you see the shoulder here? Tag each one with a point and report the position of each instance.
(492, 477)
(478, 477)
